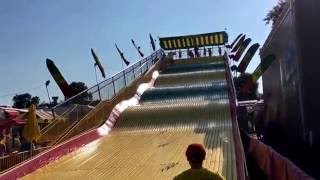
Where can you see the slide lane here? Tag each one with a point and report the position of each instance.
(188, 104)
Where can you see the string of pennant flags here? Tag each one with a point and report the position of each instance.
(237, 49)
(63, 84)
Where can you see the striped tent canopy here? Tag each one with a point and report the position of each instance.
(43, 116)
(191, 41)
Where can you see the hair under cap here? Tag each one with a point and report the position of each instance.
(196, 152)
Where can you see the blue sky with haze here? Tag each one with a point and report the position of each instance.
(33, 30)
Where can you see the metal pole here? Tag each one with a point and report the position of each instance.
(140, 67)
(134, 76)
(114, 88)
(95, 70)
(139, 56)
(124, 78)
(31, 149)
(48, 94)
(52, 111)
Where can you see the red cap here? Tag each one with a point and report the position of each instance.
(196, 152)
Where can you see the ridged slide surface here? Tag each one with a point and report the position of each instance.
(189, 104)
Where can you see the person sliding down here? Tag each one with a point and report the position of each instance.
(210, 51)
(190, 54)
(196, 52)
(195, 155)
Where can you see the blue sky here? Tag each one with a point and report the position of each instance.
(33, 30)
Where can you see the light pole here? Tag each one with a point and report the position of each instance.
(95, 71)
(47, 84)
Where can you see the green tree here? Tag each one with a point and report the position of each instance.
(24, 100)
(78, 86)
(82, 98)
(35, 100)
(273, 15)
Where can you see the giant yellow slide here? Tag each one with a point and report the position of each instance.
(189, 103)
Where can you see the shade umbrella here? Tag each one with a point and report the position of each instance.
(31, 131)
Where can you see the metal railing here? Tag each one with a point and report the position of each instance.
(85, 101)
(202, 52)
(240, 156)
(57, 118)
(13, 159)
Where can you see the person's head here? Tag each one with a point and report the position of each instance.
(195, 155)
(16, 135)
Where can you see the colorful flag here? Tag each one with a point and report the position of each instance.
(262, 67)
(238, 44)
(122, 56)
(241, 49)
(98, 63)
(247, 58)
(233, 68)
(31, 131)
(234, 42)
(62, 83)
(137, 48)
(152, 43)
